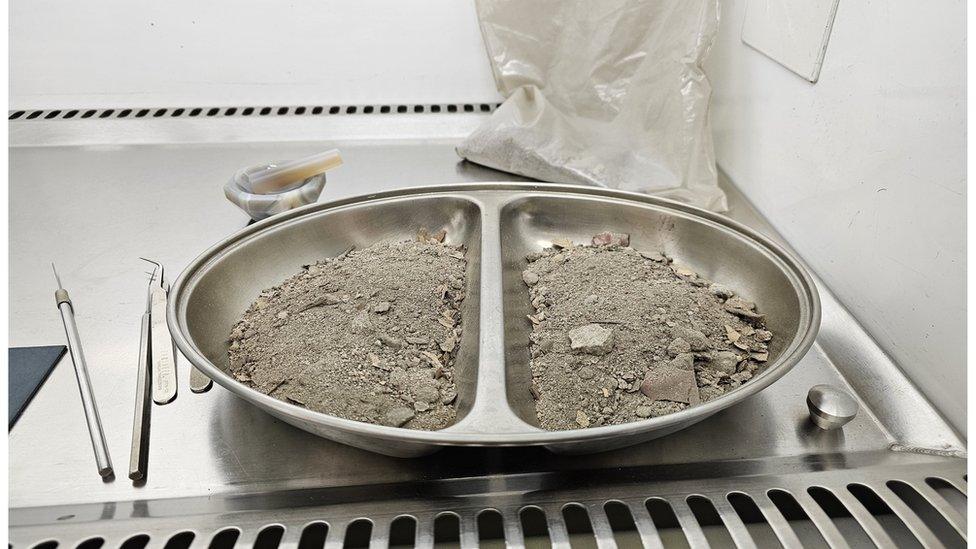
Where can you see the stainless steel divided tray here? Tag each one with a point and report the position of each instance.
(499, 223)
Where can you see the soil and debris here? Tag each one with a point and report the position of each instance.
(620, 335)
(370, 335)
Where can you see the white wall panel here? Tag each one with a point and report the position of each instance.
(114, 53)
(865, 171)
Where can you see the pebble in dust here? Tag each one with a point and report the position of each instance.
(370, 335)
(620, 335)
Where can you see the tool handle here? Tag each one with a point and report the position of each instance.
(138, 456)
(102, 459)
(163, 355)
(199, 382)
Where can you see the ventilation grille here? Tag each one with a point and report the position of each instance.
(204, 112)
(928, 510)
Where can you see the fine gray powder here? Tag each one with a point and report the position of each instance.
(620, 335)
(370, 335)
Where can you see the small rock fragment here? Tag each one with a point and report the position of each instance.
(748, 316)
(697, 340)
(421, 406)
(731, 334)
(611, 239)
(586, 373)
(427, 393)
(381, 307)
(432, 359)
(672, 384)
(678, 346)
(530, 278)
(760, 357)
(562, 243)
(582, 419)
(417, 340)
(684, 361)
(644, 411)
(282, 315)
(720, 291)
(764, 335)
(396, 417)
(390, 341)
(591, 339)
(448, 344)
(724, 361)
(739, 303)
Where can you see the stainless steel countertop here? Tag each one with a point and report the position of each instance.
(95, 205)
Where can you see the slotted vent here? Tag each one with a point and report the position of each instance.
(251, 111)
(929, 512)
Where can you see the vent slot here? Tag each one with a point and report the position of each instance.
(534, 527)
(491, 526)
(666, 521)
(447, 530)
(579, 527)
(225, 539)
(948, 492)
(752, 518)
(313, 536)
(135, 542)
(708, 518)
(928, 514)
(194, 112)
(358, 534)
(799, 521)
(619, 517)
(269, 537)
(841, 517)
(886, 526)
(180, 541)
(403, 532)
(92, 543)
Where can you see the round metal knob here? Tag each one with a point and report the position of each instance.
(830, 407)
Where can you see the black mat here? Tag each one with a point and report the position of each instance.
(27, 369)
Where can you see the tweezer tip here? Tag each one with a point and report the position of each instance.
(56, 277)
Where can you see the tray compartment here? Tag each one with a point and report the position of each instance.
(225, 286)
(530, 223)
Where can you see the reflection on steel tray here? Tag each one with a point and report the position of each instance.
(499, 223)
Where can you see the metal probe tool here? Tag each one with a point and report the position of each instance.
(139, 453)
(102, 459)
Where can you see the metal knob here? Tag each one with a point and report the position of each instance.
(830, 407)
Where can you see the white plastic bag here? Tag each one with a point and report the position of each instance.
(607, 92)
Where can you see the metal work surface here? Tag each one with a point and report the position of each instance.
(215, 461)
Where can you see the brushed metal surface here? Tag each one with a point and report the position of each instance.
(499, 223)
(217, 462)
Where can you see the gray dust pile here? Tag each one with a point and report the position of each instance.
(620, 335)
(370, 335)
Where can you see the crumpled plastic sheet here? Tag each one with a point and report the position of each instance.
(608, 93)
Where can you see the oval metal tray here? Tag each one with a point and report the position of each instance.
(499, 223)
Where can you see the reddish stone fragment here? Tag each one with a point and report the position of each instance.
(673, 384)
